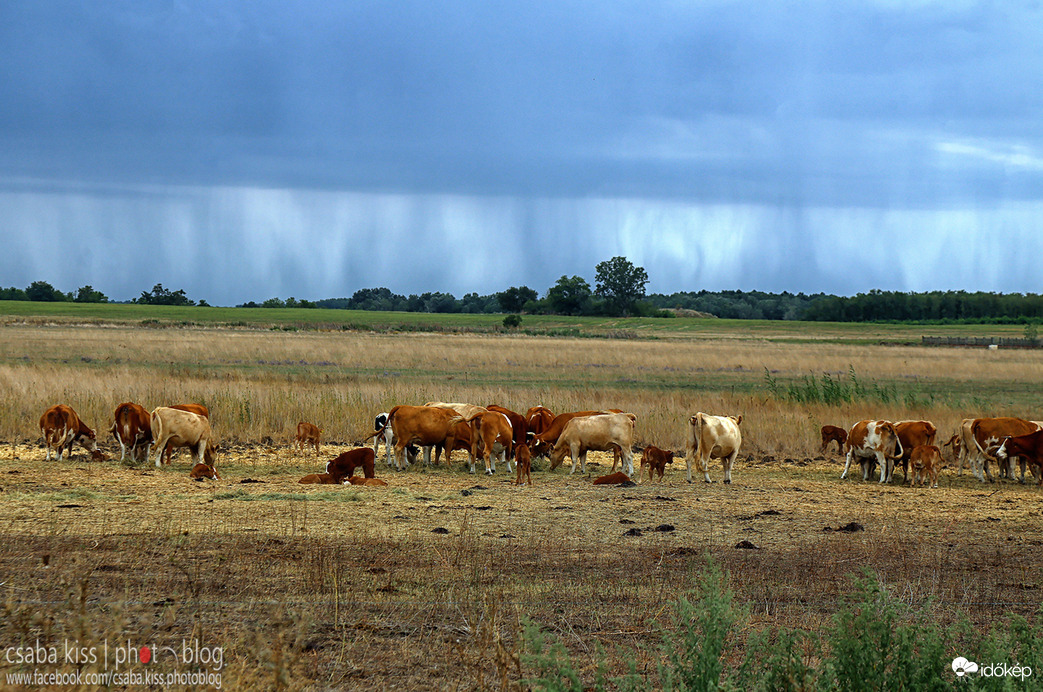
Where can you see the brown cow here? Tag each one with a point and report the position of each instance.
(538, 419)
(518, 424)
(925, 460)
(656, 459)
(491, 434)
(355, 480)
(174, 427)
(61, 428)
(317, 479)
(343, 466)
(132, 428)
(913, 433)
(421, 425)
(873, 442)
(201, 471)
(1029, 447)
(523, 461)
(308, 434)
(831, 433)
(986, 436)
(461, 440)
(612, 479)
(600, 433)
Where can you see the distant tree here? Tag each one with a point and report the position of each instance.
(621, 284)
(512, 321)
(162, 296)
(376, 299)
(12, 294)
(273, 303)
(250, 304)
(204, 304)
(41, 290)
(515, 297)
(87, 294)
(569, 296)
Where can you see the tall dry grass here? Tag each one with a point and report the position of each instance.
(259, 384)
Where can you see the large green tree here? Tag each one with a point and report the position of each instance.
(41, 290)
(515, 298)
(569, 296)
(621, 284)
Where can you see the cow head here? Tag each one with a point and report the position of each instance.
(1001, 451)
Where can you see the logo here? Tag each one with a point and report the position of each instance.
(961, 666)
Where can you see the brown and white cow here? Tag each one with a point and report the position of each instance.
(343, 466)
(420, 425)
(599, 433)
(518, 424)
(926, 461)
(491, 436)
(523, 463)
(656, 459)
(308, 434)
(61, 428)
(913, 433)
(712, 437)
(131, 426)
(538, 419)
(987, 434)
(200, 471)
(1029, 448)
(831, 433)
(873, 442)
(173, 427)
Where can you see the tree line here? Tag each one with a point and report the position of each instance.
(619, 290)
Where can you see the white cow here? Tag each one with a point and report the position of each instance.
(600, 433)
(712, 437)
(182, 429)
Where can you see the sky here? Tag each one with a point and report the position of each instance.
(247, 150)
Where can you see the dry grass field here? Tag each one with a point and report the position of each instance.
(422, 585)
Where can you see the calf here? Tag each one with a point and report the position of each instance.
(355, 480)
(913, 433)
(201, 471)
(523, 460)
(308, 434)
(925, 461)
(344, 466)
(61, 428)
(656, 459)
(612, 479)
(831, 433)
(317, 479)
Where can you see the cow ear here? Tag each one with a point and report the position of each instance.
(738, 420)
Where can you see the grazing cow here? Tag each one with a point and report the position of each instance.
(873, 442)
(538, 419)
(612, 479)
(178, 428)
(355, 480)
(956, 448)
(1029, 447)
(987, 434)
(913, 433)
(599, 433)
(344, 466)
(523, 463)
(308, 433)
(521, 430)
(422, 425)
(201, 471)
(544, 441)
(132, 428)
(831, 433)
(656, 459)
(491, 434)
(198, 409)
(61, 428)
(461, 440)
(317, 479)
(925, 460)
(712, 437)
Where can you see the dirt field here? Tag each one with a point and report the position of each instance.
(421, 585)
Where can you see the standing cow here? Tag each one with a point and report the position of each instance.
(61, 428)
(873, 442)
(986, 436)
(177, 428)
(132, 428)
(601, 433)
(712, 437)
(308, 434)
(913, 433)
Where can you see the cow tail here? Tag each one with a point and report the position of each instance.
(391, 414)
(974, 436)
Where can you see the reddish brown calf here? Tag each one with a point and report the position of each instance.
(343, 467)
(523, 458)
(831, 433)
(656, 459)
(925, 461)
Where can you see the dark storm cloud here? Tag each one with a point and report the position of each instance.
(719, 143)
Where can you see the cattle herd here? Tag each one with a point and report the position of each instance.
(496, 434)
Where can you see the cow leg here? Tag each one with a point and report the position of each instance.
(847, 465)
(727, 462)
(628, 459)
(886, 466)
(160, 445)
(688, 464)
